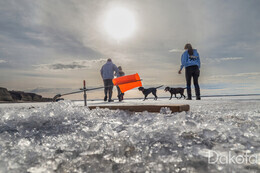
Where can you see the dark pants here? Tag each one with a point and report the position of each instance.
(120, 94)
(108, 84)
(118, 91)
(192, 72)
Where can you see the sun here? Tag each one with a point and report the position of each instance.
(120, 23)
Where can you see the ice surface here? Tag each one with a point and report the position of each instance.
(67, 137)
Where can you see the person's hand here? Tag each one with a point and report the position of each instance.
(179, 71)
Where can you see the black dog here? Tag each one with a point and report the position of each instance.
(175, 91)
(146, 92)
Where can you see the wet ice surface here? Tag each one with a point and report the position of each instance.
(66, 137)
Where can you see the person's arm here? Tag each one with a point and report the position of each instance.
(115, 69)
(199, 60)
(183, 61)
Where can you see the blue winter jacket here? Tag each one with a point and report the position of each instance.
(107, 71)
(187, 60)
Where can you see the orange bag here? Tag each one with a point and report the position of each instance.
(128, 82)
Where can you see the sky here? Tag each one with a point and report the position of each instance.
(51, 46)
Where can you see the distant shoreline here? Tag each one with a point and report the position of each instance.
(7, 96)
(4, 102)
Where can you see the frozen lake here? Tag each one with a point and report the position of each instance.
(67, 137)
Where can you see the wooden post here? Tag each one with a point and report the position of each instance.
(85, 94)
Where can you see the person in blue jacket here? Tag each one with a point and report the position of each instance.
(107, 73)
(190, 59)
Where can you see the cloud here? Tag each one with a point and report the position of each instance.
(73, 65)
(49, 90)
(231, 58)
(220, 60)
(176, 50)
(251, 74)
(2, 61)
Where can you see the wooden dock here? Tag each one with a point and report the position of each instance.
(141, 108)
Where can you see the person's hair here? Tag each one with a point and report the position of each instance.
(189, 47)
(119, 68)
(109, 59)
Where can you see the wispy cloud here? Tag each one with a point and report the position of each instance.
(73, 65)
(49, 90)
(176, 50)
(220, 60)
(231, 58)
(2, 61)
(251, 74)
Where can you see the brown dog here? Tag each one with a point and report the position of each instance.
(175, 91)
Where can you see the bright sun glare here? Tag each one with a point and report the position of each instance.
(120, 23)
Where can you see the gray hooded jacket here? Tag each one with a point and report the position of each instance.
(107, 71)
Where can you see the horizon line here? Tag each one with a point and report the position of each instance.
(231, 95)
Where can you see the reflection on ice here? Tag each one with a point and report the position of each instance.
(65, 137)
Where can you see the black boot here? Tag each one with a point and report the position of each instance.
(119, 98)
(197, 91)
(189, 94)
(110, 98)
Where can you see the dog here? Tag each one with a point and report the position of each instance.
(148, 91)
(175, 91)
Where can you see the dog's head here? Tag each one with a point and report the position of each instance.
(141, 88)
(167, 89)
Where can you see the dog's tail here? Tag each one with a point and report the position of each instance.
(159, 86)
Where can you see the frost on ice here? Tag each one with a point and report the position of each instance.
(65, 137)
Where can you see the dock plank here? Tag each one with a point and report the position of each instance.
(141, 108)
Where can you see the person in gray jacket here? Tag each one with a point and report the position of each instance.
(107, 72)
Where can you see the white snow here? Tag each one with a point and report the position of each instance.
(68, 137)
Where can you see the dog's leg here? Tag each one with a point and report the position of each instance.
(182, 94)
(145, 97)
(155, 96)
(171, 96)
